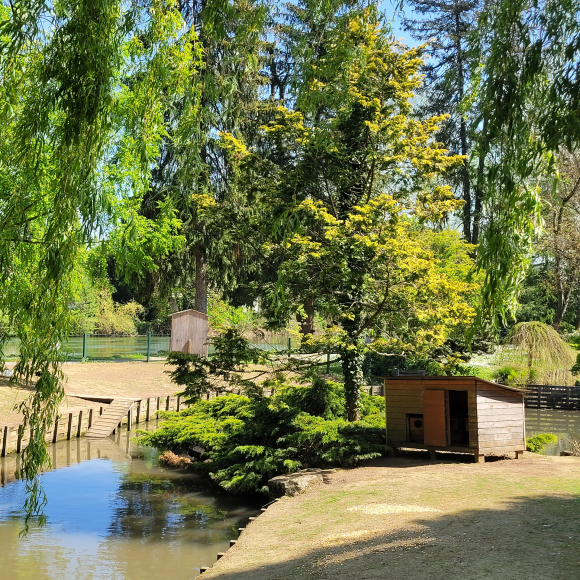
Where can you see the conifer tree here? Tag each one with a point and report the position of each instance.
(447, 26)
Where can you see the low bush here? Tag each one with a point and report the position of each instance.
(537, 443)
(248, 440)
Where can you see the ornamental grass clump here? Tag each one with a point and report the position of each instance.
(536, 353)
(250, 439)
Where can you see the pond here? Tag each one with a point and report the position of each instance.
(129, 347)
(113, 513)
(564, 424)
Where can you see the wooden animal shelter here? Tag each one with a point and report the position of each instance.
(189, 330)
(460, 414)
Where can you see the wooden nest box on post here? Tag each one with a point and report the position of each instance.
(461, 414)
(189, 332)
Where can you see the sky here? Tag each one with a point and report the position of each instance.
(392, 8)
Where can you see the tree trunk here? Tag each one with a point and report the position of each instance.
(306, 322)
(352, 369)
(200, 280)
(467, 232)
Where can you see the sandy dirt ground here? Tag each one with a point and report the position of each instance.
(406, 518)
(124, 379)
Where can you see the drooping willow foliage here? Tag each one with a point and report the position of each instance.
(539, 350)
(526, 88)
(81, 83)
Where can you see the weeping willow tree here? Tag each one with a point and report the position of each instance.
(525, 91)
(539, 351)
(81, 87)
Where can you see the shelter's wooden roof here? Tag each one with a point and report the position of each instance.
(191, 312)
(462, 378)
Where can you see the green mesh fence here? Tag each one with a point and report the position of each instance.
(96, 347)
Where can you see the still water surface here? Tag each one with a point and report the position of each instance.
(114, 514)
(563, 424)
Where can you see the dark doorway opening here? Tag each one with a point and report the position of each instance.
(458, 418)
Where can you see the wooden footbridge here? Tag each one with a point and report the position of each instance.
(106, 423)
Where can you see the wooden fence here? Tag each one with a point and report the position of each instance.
(552, 397)
(70, 425)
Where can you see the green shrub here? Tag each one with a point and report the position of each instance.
(515, 375)
(250, 440)
(537, 443)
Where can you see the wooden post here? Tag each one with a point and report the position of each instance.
(55, 434)
(5, 440)
(148, 346)
(178, 400)
(138, 412)
(129, 420)
(167, 403)
(19, 440)
(80, 425)
(69, 426)
(90, 418)
(147, 412)
(328, 363)
(158, 403)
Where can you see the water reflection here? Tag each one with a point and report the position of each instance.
(564, 424)
(114, 513)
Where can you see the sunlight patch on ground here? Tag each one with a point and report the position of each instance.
(379, 509)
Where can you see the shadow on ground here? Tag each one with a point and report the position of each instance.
(531, 539)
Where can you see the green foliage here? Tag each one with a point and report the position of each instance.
(523, 51)
(250, 440)
(352, 185)
(76, 93)
(575, 370)
(515, 376)
(537, 443)
(540, 352)
(223, 315)
(224, 367)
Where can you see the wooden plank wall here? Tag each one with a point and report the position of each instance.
(501, 420)
(402, 397)
(189, 332)
(406, 396)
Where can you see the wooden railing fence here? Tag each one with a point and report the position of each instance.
(552, 397)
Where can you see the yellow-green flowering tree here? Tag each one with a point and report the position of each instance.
(353, 186)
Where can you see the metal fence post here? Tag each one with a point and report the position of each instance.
(148, 346)
(85, 345)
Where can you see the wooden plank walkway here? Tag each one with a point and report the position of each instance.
(106, 423)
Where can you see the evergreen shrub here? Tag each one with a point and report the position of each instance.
(250, 439)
